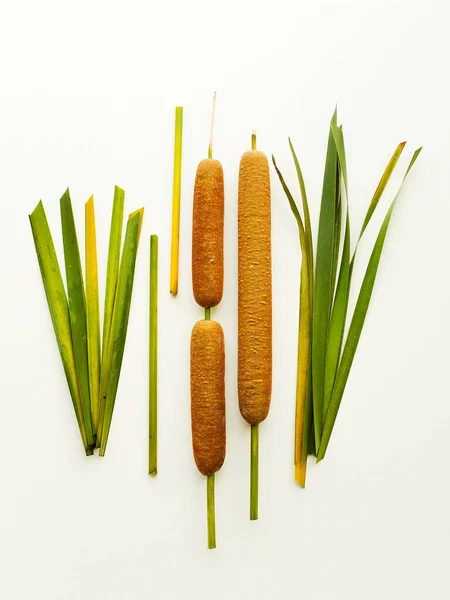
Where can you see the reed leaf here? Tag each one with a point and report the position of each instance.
(302, 434)
(59, 309)
(340, 303)
(357, 324)
(120, 317)
(382, 186)
(112, 272)
(377, 197)
(92, 312)
(77, 308)
(308, 444)
(323, 292)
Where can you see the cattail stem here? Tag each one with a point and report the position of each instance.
(175, 247)
(207, 314)
(153, 358)
(253, 140)
(210, 154)
(254, 456)
(211, 512)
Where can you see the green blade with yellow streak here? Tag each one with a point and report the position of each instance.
(302, 432)
(92, 312)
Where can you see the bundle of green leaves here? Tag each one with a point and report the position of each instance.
(92, 368)
(326, 348)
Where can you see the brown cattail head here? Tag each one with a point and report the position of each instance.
(254, 288)
(208, 396)
(207, 233)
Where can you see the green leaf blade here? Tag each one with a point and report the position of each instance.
(120, 318)
(382, 186)
(357, 324)
(58, 307)
(303, 413)
(306, 214)
(77, 307)
(112, 273)
(323, 291)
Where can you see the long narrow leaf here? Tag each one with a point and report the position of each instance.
(340, 304)
(77, 307)
(92, 311)
(308, 230)
(323, 292)
(382, 185)
(115, 238)
(338, 318)
(309, 423)
(58, 307)
(377, 196)
(304, 345)
(356, 325)
(121, 314)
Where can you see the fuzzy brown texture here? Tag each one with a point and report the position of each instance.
(207, 233)
(208, 396)
(254, 288)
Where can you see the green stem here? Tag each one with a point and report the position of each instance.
(212, 127)
(253, 140)
(153, 341)
(211, 512)
(207, 313)
(254, 452)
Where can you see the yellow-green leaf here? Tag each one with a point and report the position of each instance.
(119, 323)
(77, 307)
(58, 307)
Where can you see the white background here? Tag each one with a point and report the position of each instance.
(87, 97)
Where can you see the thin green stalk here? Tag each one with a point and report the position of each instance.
(153, 383)
(207, 313)
(254, 459)
(77, 308)
(176, 195)
(254, 140)
(211, 512)
(210, 147)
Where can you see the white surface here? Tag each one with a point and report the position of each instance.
(87, 99)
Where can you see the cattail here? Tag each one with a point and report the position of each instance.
(254, 300)
(208, 396)
(207, 233)
(207, 341)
